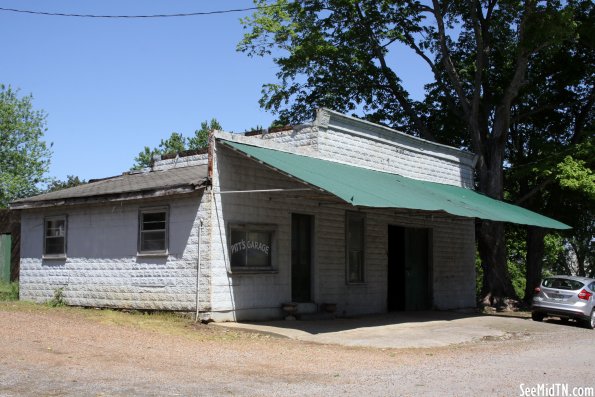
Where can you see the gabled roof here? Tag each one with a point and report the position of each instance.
(128, 186)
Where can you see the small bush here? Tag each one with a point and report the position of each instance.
(58, 299)
(9, 291)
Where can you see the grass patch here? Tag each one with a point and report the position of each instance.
(9, 291)
(167, 323)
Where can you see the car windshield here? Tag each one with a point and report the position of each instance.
(562, 283)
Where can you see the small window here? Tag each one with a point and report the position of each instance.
(355, 224)
(54, 243)
(251, 246)
(153, 226)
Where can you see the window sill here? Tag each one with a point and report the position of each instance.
(257, 270)
(356, 283)
(54, 257)
(152, 254)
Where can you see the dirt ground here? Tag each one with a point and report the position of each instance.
(78, 352)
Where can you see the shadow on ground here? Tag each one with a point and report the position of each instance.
(401, 329)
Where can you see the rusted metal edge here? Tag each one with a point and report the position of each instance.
(109, 198)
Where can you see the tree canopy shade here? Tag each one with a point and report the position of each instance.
(24, 156)
(342, 54)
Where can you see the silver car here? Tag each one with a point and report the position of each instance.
(565, 297)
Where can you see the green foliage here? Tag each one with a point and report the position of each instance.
(512, 81)
(177, 143)
(478, 277)
(9, 291)
(575, 175)
(58, 299)
(71, 181)
(517, 276)
(517, 252)
(24, 156)
(201, 137)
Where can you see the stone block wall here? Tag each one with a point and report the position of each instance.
(102, 268)
(259, 296)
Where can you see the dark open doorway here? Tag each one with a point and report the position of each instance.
(301, 257)
(409, 270)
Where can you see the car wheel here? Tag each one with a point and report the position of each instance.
(590, 323)
(536, 316)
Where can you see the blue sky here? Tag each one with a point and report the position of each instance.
(112, 86)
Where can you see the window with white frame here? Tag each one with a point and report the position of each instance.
(355, 225)
(153, 230)
(54, 241)
(251, 246)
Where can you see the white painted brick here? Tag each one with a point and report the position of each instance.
(88, 278)
(453, 240)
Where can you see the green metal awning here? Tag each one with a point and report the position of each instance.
(368, 188)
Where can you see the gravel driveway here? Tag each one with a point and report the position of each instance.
(69, 352)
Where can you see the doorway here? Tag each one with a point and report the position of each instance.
(301, 257)
(409, 270)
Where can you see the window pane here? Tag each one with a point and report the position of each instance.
(356, 233)
(153, 241)
(250, 248)
(356, 267)
(259, 248)
(55, 228)
(354, 250)
(238, 248)
(54, 245)
(154, 221)
(153, 231)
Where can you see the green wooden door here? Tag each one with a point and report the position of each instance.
(5, 254)
(301, 257)
(409, 270)
(416, 269)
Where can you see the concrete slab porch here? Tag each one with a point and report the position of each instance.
(399, 330)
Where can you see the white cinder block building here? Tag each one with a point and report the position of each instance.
(340, 212)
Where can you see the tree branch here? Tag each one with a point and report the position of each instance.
(451, 103)
(391, 78)
(521, 63)
(446, 59)
(534, 190)
(480, 60)
(579, 123)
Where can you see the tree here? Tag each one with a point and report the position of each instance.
(550, 143)
(24, 156)
(200, 139)
(71, 181)
(177, 143)
(339, 54)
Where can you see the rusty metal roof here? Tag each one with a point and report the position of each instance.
(131, 185)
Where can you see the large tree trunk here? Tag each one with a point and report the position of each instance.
(535, 252)
(492, 251)
(490, 237)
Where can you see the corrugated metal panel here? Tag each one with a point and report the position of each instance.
(368, 188)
